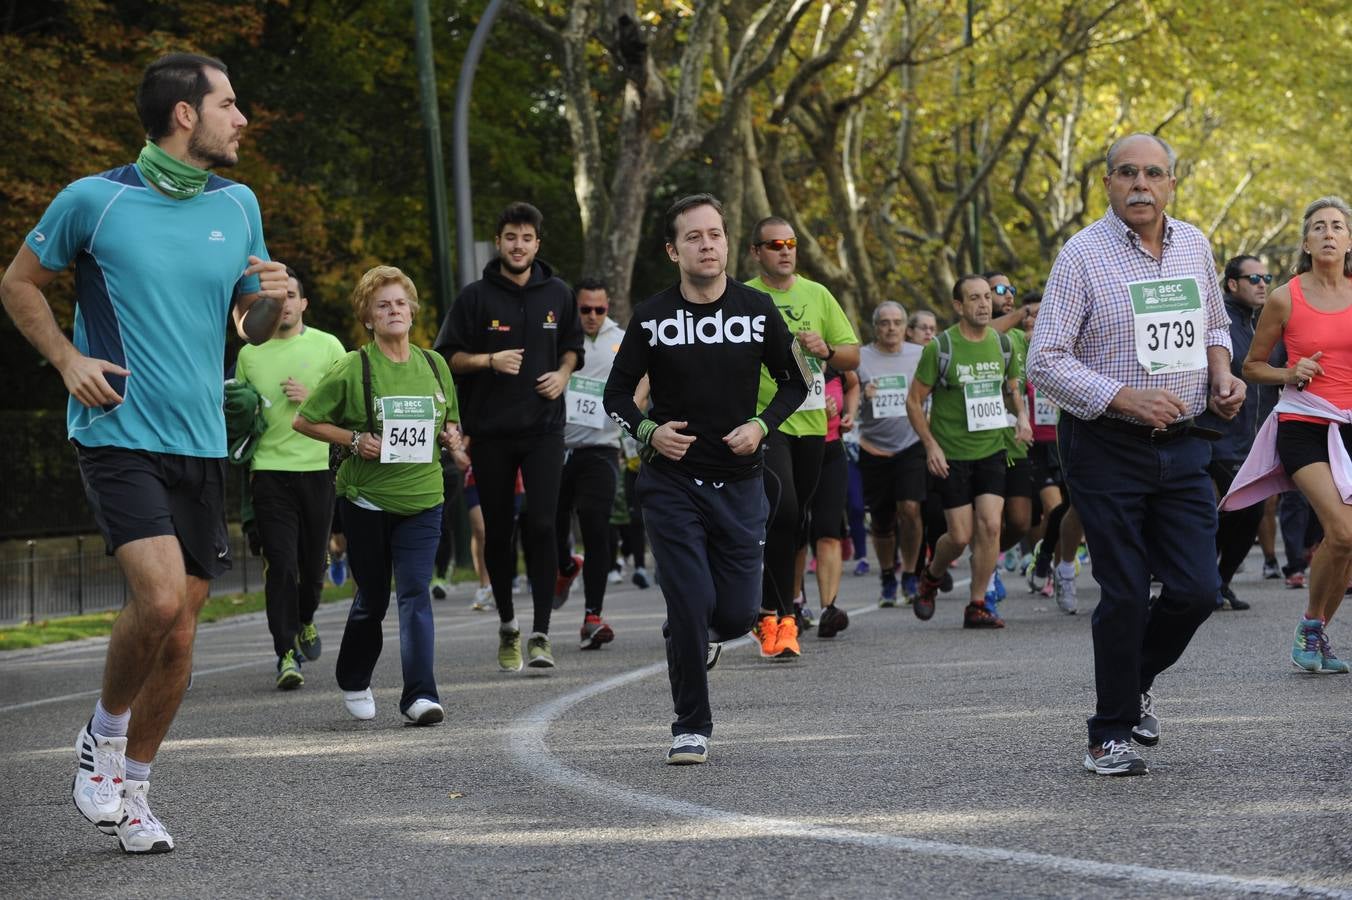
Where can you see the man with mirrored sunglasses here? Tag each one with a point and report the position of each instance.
(1245, 284)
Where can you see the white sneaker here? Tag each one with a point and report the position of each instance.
(139, 831)
(614, 576)
(101, 768)
(362, 704)
(483, 598)
(712, 654)
(1064, 591)
(520, 584)
(688, 750)
(421, 712)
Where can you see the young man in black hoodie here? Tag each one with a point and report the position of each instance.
(512, 339)
(702, 343)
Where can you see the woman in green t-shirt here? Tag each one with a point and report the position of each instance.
(389, 404)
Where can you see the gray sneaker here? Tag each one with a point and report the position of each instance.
(1147, 731)
(1114, 758)
(1064, 591)
(712, 654)
(688, 750)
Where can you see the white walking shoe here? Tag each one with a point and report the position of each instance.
(139, 831)
(422, 712)
(101, 768)
(361, 704)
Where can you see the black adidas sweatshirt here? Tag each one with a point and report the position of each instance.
(703, 363)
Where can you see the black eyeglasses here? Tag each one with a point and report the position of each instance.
(1129, 172)
(1002, 289)
(778, 244)
(1256, 279)
(593, 310)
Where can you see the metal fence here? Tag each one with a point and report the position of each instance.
(86, 580)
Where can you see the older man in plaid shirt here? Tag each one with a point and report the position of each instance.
(1132, 342)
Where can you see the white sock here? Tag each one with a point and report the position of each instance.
(990, 585)
(1065, 569)
(105, 724)
(137, 771)
(510, 626)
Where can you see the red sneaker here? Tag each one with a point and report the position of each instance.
(595, 633)
(564, 583)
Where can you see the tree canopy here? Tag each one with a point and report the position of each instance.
(905, 140)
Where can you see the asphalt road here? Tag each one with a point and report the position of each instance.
(903, 758)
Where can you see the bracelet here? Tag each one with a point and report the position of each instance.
(356, 439)
(830, 352)
(490, 362)
(761, 422)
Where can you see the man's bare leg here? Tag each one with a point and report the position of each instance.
(158, 589)
(156, 705)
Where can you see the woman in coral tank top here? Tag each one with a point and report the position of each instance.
(1312, 313)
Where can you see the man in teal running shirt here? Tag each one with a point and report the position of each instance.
(164, 252)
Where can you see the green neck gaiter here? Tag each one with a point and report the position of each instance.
(173, 176)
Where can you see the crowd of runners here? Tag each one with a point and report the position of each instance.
(742, 431)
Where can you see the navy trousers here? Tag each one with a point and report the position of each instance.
(1146, 508)
(708, 539)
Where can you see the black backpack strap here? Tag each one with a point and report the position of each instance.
(366, 392)
(435, 374)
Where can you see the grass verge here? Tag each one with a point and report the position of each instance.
(73, 628)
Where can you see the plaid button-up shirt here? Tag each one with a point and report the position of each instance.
(1083, 350)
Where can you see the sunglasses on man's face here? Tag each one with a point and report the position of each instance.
(1002, 289)
(1256, 279)
(779, 244)
(593, 310)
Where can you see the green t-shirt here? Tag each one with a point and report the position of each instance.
(976, 374)
(1018, 360)
(805, 306)
(402, 488)
(307, 357)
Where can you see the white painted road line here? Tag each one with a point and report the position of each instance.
(528, 749)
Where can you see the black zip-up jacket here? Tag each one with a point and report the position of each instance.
(703, 362)
(495, 314)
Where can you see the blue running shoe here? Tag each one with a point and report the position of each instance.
(1000, 592)
(888, 597)
(338, 570)
(1305, 654)
(910, 586)
(1010, 560)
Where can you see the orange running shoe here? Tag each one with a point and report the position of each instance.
(767, 635)
(788, 639)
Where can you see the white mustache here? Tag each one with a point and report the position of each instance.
(1140, 197)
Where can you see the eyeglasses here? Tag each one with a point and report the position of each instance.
(778, 244)
(1002, 289)
(1128, 172)
(1257, 279)
(593, 310)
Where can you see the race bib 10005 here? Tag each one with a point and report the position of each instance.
(1169, 325)
(410, 429)
(889, 397)
(584, 402)
(985, 405)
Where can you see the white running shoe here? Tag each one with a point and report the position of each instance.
(423, 712)
(1064, 591)
(688, 750)
(101, 768)
(139, 831)
(483, 598)
(361, 704)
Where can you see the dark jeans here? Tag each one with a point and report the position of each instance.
(1235, 529)
(452, 482)
(292, 511)
(633, 541)
(540, 459)
(381, 544)
(706, 541)
(1146, 508)
(1297, 522)
(793, 466)
(588, 486)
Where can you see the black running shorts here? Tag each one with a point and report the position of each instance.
(138, 494)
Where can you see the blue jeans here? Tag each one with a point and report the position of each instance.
(381, 544)
(1147, 509)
